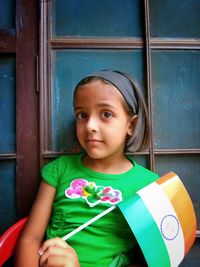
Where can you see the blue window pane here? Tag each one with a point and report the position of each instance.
(7, 104)
(69, 68)
(169, 18)
(142, 160)
(176, 94)
(97, 18)
(192, 259)
(7, 194)
(7, 14)
(188, 169)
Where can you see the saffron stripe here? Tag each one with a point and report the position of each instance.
(166, 219)
(184, 208)
(146, 231)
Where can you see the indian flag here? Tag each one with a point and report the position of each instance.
(162, 218)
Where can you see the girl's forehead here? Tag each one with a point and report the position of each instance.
(97, 91)
(98, 88)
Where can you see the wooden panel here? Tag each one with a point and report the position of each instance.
(7, 104)
(97, 18)
(7, 14)
(192, 259)
(7, 43)
(175, 18)
(142, 160)
(176, 94)
(7, 194)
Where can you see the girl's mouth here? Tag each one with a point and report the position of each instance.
(93, 141)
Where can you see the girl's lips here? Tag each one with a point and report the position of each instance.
(93, 141)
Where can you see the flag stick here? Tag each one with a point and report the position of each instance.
(88, 223)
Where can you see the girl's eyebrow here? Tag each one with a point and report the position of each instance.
(108, 105)
(102, 105)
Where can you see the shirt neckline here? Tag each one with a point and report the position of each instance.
(91, 172)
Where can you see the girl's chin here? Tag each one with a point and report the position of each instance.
(94, 154)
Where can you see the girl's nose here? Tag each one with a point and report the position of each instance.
(92, 124)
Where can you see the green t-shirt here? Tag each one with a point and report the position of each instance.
(81, 194)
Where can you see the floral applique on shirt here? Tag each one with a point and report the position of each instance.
(92, 193)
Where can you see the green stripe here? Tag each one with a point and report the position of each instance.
(146, 231)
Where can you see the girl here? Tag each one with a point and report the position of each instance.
(111, 119)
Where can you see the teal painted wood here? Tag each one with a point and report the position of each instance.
(7, 14)
(142, 160)
(7, 104)
(70, 67)
(176, 95)
(7, 194)
(97, 18)
(178, 18)
(7, 123)
(192, 259)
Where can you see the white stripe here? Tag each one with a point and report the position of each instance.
(166, 219)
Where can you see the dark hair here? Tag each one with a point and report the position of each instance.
(139, 141)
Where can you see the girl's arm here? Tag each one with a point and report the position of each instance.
(33, 233)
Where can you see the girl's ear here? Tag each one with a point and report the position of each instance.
(131, 126)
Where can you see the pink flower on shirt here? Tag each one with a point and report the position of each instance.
(92, 193)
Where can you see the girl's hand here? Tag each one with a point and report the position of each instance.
(56, 252)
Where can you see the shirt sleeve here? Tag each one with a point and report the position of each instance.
(50, 173)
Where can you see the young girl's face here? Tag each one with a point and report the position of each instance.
(102, 121)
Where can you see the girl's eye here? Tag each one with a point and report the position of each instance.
(107, 114)
(81, 116)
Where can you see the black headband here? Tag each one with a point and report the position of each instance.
(122, 83)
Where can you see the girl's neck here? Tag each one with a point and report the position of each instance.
(108, 165)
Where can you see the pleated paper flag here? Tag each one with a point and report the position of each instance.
(163, 220)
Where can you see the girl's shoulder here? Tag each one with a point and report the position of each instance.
(57, 168)
(143, 172)
(63, 160)
(147, 175)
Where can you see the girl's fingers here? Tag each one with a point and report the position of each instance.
(51, 254)
(56, 261)
(57, 256)
(56, 252)
(55, 242)
(60, 261)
